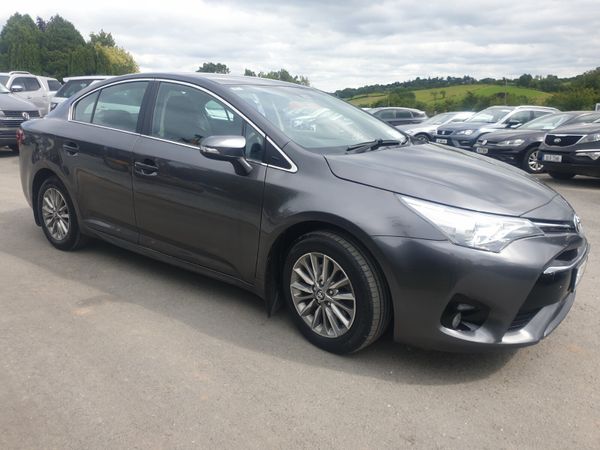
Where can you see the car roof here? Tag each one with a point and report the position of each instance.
(381, 108)
(88, 77)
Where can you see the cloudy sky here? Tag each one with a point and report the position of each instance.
(346, 43)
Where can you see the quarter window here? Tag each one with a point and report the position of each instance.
(119, 106)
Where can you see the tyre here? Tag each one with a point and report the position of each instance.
(57, 215)
(561, 175)
(335, 294)
(530, 162)
(421, 138)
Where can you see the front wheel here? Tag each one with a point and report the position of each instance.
(531, 163)
(335, 293)
(421, 138)
(57, 214)
(561, 175)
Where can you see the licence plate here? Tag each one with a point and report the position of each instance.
(552, 158)
(481, 150)
(441, 141)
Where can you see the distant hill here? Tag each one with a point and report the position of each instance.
(431, 97)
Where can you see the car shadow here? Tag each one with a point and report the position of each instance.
(210, 307)
(579, 181)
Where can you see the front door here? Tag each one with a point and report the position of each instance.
(191, 207)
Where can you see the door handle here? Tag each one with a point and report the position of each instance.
(147, 168)
(71, 148)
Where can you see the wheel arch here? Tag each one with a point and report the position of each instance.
(39, 178)
(285, 239)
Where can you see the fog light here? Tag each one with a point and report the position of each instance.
(464, 314)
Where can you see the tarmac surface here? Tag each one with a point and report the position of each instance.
(102, 348)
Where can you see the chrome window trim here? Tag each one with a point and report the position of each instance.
(72, 106)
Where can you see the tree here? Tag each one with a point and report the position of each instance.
(60, 39)
(525, 80)
(41, 24)
(575, 99)
(249, 73)
(213, 68)
(102, 38)
(284, 75)
(20, 41)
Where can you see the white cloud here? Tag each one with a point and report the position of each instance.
(351, 43)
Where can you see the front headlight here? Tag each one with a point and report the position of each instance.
(591, 138)
(465, 132)
(473, 229)
(511, 143)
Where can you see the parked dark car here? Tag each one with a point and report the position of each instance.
(13, 112)
(464, 135)
(300, 197)
(572, 150)
(425, 130)
(399, 116)
(520, 147)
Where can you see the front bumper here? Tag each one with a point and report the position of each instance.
(571, 163)
(8, 135)
(524, 292)
(463, 142)
(510, 155)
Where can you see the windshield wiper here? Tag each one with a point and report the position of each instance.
(371, 145)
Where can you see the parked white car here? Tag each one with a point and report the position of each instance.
(72, 86)
(33, 88)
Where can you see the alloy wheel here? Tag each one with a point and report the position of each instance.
(55, 212)
(323, 295)
(533, 163)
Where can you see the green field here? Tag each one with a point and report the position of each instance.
(430, 96)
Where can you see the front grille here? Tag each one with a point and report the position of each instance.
(14, 123)
(444, 132)
(559, 140)
(522, 319)
(557, 227)
(19, 114)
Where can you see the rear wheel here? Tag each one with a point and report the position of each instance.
(561, 175)
(57, 214)
(530, 162)
(335, 293)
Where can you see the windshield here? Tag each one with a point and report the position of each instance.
(490, 115)
(438, 119)
(586, 118)
(548, 122)
(72, 87)
(313, 119)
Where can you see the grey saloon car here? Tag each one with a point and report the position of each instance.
(306, 200)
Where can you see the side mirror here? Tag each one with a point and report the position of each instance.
(227, 148)
(17, 88)
(513, 124)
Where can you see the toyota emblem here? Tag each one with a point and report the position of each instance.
(25, 115)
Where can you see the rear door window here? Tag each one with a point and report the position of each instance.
(403, 115)
(28, 83)
(84, 109)
(119, 106)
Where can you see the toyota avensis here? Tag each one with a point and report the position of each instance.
(302, 198)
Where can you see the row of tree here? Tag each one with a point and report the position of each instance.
(55, 48)
(281, 74)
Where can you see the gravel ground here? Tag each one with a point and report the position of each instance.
(102, 348)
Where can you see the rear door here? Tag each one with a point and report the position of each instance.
(191, 207)
(97, 154)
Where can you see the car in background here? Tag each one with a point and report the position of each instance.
(35, 89)
(13, 112)
(464, 135)
(72, 86)
(425, 131)
(398, 116)
(301, 197)
(572, 150)
(519, 147)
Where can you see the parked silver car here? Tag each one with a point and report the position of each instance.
(33, 88)
(72, 86)
(425, 131)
